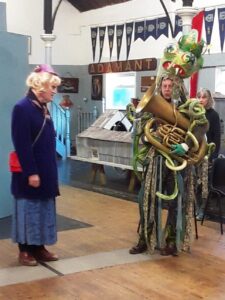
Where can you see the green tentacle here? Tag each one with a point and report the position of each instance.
(175, 193)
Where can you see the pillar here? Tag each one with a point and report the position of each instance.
(48, 39)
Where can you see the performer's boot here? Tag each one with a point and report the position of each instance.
(170, 248)
(140, 247)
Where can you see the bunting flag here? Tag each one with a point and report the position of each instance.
(129, 31)
(178, 25)
(111, 31)
(196, 24)
(150, 29)
(209, 21)
(119, 37)
(94, 32)
(162, 27)
(101, 40)
(221, 18)
(139, 30)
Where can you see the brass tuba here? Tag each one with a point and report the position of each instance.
(172, 128)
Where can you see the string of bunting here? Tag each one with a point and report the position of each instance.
(154, 28)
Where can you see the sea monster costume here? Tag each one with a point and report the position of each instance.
(167, 178)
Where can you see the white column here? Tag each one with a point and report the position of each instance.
(48, 39)
(187, 13)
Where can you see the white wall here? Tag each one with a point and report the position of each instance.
(26, 17)
(73, 43)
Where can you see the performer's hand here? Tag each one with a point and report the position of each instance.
(179, 149)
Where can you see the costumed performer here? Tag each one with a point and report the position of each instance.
(173, 143)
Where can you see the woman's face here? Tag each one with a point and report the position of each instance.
(48, 93)
(203, 99)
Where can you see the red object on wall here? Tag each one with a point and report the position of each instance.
(66, 102)
(196, 24)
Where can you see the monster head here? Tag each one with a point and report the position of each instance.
(184, 58)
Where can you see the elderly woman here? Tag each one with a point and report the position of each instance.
(213, 134)
(35, 186)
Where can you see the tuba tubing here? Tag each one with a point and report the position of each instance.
(193, 158)
(160, 108)
(157, 144)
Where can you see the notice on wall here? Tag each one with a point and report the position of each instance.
(146, 82)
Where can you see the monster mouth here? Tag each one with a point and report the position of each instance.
(170, 66)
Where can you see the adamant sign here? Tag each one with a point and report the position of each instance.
(145, 64)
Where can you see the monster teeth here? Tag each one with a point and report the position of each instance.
(168, 65)
(177, 71)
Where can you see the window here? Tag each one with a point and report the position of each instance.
(120, 88)
(220, 80)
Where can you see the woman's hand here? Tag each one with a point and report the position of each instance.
(34, 181)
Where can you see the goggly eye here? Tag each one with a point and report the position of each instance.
(170, 49)
(188, 58)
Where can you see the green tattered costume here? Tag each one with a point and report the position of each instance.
(165, 178)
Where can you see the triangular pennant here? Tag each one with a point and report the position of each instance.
(111, 32)
(129, 31)
(221, 18)
(101, 40)
(119, 37)
(94, 32)
(209, 21)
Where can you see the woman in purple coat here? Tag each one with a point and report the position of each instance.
(36, 186)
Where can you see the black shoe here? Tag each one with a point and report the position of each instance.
(139, 248)
(169, 250)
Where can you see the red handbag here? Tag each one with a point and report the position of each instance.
(14, 163)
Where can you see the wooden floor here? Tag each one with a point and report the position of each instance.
(196, 275)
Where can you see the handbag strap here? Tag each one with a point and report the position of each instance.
(40, 132)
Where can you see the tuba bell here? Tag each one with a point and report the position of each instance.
(172, 128)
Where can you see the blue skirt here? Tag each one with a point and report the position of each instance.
(34, 221)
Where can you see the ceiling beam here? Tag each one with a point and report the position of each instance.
(87, 5)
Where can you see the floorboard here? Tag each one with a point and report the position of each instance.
(199, 274)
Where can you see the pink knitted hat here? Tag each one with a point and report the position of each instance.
(45, 68)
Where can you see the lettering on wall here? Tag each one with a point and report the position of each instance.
(145, 64)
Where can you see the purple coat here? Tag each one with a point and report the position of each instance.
(27, 120)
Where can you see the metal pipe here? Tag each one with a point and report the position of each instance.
(187, 2)
(48, 25)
